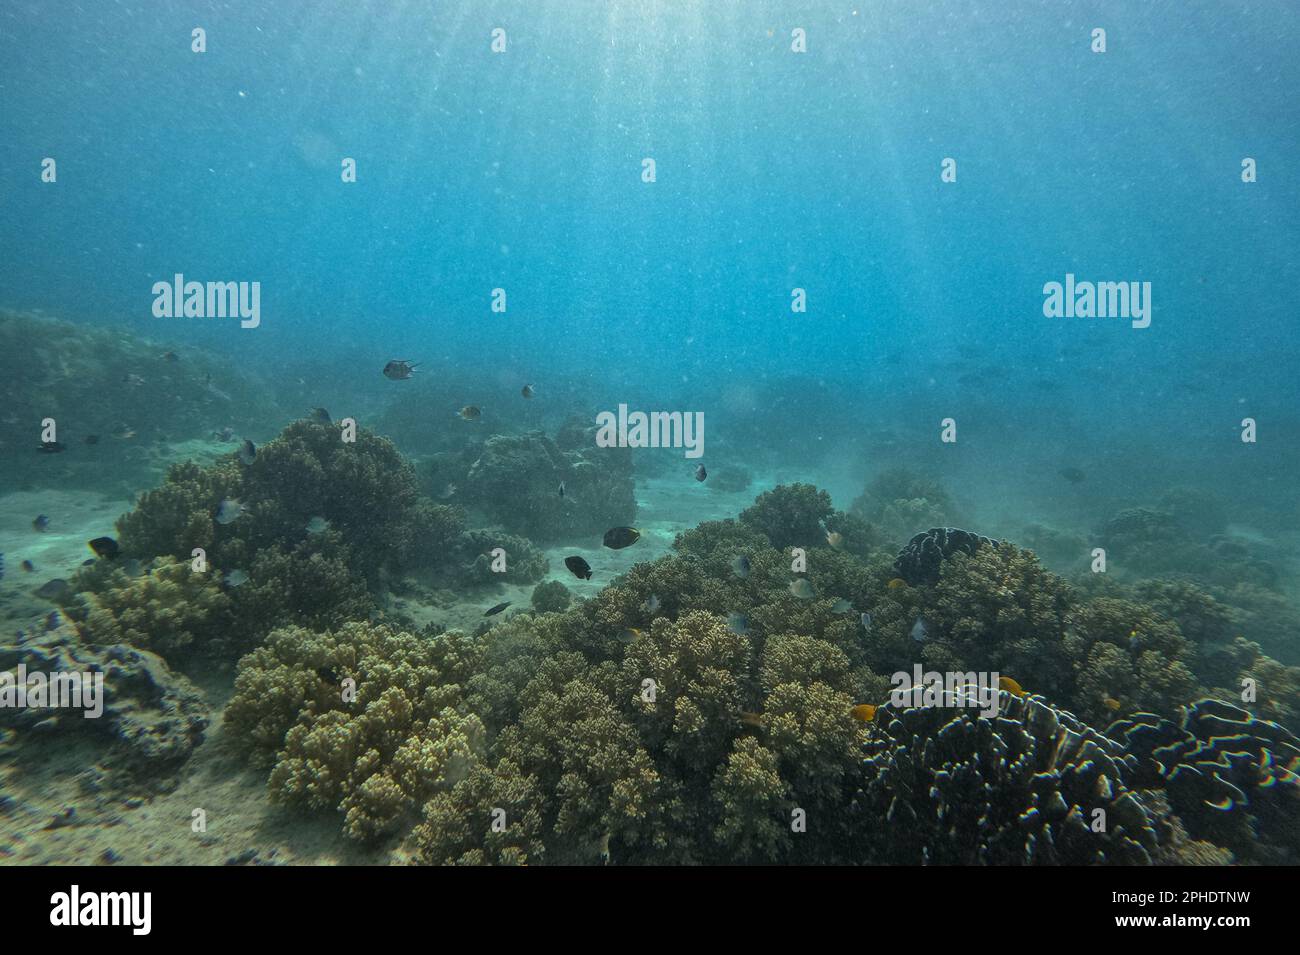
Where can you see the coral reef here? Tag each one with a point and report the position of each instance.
(790, 515)
(551, 597)
(152, 718)
(513, 480)
(940, 785)
(900, 501)
(362, 719)
(1229, 776)
(920, 561)
(118, 401)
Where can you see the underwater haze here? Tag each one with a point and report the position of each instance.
(610, 433)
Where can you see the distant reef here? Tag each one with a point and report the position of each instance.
(117, 401)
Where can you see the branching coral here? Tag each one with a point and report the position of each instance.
(790, 515)
(169, 609)
(375, 748)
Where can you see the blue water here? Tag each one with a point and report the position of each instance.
(775, 170)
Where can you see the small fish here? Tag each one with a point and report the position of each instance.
(1111, 703)
(91, 439)
(104, 547)
(528, 391)
(561, 489)
(1073, 475)
(919, 630)
(247, 452)
(898, 583)
(236, 577)
(616, 538)
(865, 620)
(738, 624)
(399, 370)
(41, 523)
(2, 566)
(700, 473)
(578, 567)
(652, 604)
(603, 849)
(842, 606)
(317, 525)
(628, 635)
(493, 611)
(51, 447)
(229, 510)
(1010, 685)
(470, 413)
(802, 588)
(834, 539)
(171, 356)
(751, 719)
(225, 434)
(447, 492)
(132, 567)
(53, 589)
(319, 416)
(27, 566)
(740, 566)
(135, 381)
(863, 712)
(89, 561)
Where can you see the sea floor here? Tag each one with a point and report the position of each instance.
(59, 812)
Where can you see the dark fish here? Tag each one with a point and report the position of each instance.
(104, 547)
(528, 391)
(470, 413)
(561, 489)
(700, 473)
(247, 452)
(740, 566)
(40, 523)
(88, 562)
(1073, 475)
(92, 439)
(738, 624)
(399, 370)
(616, 538)
(51, 447)
(319, 416)
(27, 566)
(52, 589)
(493, 611)
(578, 567)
